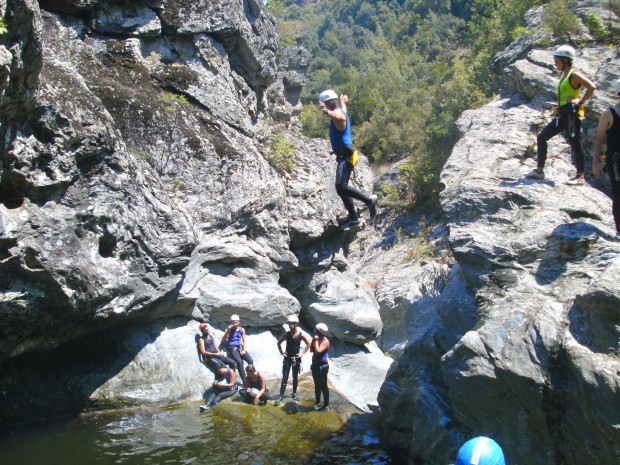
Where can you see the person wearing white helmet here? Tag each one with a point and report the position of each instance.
(342, 145)
(234, 337)
(568, 114)
(609, 131)
(292, 355)
(320, 366)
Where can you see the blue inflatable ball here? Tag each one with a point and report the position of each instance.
(480, 451)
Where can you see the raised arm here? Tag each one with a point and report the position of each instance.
(343, 102)
(226, 335)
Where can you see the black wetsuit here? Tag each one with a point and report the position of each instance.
(219, 394)
(215, 362)
(613, 165)
(567, 121)
(293, 346)
(319, 369)
(235, 339)
(256, 385)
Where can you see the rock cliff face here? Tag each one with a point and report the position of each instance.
(139, 194)
(522, 344)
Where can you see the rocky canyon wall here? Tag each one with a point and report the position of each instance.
(522, 344)
(140, 195)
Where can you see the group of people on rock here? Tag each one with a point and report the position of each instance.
(568, 118)
(254, 389)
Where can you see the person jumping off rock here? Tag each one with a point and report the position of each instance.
(340, 137)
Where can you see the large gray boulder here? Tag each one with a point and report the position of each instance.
(521, 344)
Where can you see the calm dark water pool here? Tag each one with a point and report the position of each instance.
(230, 433)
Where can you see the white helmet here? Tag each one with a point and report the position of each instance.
(564, 51)
(293, 319)
(321, 328)
(328, 95)
(617, 86)
(234, 318)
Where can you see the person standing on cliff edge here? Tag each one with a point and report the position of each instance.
(609, 129)
(569, 114)
(342, 145)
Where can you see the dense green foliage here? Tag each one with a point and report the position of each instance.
(282, 155)
(409, 67)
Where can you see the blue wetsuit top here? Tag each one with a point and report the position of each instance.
(234, 338)
(340, 139)
(319, 359)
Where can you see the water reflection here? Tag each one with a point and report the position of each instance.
(230, 433)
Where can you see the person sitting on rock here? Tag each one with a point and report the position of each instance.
(254, 387)
(212, 356)
(609, 130)
(234, 337)
(567, 116)
(292, 357)
(223, 387)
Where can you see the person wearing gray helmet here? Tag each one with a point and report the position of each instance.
(292, 356)
(609, 131)
(320, 366)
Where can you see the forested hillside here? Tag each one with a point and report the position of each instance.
(410, 67)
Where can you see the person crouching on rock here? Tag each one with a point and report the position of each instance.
(292, 356)
(254, 387)
(342, 145)
(320, 366)
(223, 387)
(234, 337)
(209, 351)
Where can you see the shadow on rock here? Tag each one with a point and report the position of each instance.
(38, 386)
(567, 243)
